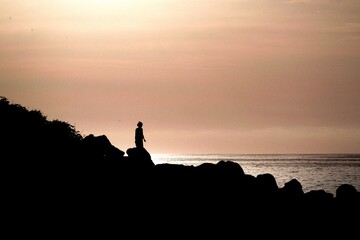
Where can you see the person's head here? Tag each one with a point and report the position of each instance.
(139, 124)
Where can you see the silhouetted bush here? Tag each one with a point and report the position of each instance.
(29, 134)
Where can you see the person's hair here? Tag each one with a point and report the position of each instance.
(139, 124)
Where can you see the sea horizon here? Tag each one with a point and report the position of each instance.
(315, 171)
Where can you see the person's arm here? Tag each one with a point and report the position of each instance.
(142, 133)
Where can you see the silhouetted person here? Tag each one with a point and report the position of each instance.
(139, 135)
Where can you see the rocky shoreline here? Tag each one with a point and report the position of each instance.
(105, 183)
(58, 183)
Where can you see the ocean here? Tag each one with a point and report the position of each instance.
(314, 171)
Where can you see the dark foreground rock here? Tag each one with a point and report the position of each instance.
(83, 196)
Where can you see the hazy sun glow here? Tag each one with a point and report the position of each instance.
(105, 5)
(203, 76)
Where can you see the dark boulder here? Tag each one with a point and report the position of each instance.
(139, 157)
(100, 148)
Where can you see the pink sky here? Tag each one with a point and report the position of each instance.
(204, 76)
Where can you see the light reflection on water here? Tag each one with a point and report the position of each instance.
(313, 171)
